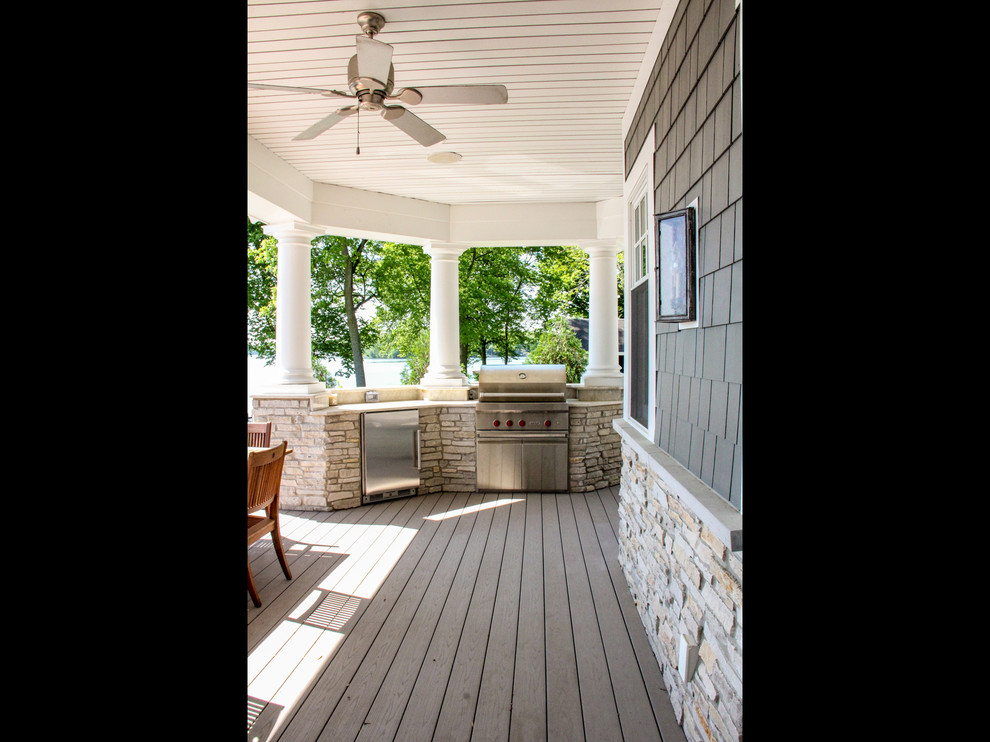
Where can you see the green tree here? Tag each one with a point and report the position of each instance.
(417, 360)
(558, 344)
(402, 316)
(495, 287)
(262, 260)
(563, 284)
(344, 272)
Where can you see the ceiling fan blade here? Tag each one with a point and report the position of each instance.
(412, 125)
(286, 88)
(325, 123)
(465, 94)
(374, 59)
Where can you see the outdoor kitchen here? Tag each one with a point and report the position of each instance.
(520, 428)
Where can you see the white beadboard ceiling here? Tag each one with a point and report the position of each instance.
(570, 67)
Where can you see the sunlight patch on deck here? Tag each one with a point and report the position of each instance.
(471, 509)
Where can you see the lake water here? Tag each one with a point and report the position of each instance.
(377, 372)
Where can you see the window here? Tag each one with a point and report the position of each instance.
(639, 297)
(640, 344)
(639, 236)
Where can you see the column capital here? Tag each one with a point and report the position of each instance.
(444, 249)
(601, 248)
(281, 230)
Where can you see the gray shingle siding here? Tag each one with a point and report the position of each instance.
(693, 101)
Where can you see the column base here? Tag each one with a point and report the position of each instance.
(438, 381)
(293, 389)
(594, 377)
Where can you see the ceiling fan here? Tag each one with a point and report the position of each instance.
(370, 77)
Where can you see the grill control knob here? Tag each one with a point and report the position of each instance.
(522, 423)
(508, 423)
(496, 423)
(546, 423)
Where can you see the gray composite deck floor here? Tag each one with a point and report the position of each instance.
(495, 616)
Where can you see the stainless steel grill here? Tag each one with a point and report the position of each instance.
(521, 424)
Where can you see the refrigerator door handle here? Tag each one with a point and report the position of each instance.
(416, 448)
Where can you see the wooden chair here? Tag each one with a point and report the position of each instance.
(259, 435)
(264, 482)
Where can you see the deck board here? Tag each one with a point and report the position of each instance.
(421, 713)
(457, 710)
(528, 719)
(491, 720)
(561, 667)
(600, 715)
(474, 617)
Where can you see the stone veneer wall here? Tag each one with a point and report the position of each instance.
(324, 470)
(687, 586)
(594, 446)
(448, 460)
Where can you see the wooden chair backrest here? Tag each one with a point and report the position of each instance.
(265, 476)
(259, 434)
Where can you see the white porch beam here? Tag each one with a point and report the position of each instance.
(603, 310)
(523, 225)
(445, 367)
(350, 212)
(293, 341)
(277, 192)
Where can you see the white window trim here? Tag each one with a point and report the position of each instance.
(696, 322)
(641, 180)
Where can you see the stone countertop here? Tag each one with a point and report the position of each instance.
(415, 404)
(400, 404)
(402, 398)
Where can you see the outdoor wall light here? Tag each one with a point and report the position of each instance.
(675, 265)
(443, 158)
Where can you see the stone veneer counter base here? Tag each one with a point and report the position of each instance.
(324, 470)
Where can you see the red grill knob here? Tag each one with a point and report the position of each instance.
(522, 423)
(508, 423)
(547, 423)
(496, 423)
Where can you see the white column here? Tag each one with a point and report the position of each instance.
(603, 315)
(445, 367)
(293, 341)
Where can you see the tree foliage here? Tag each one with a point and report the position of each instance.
(564, 282)
(495, 286)
(262, 261)
(558, 344)
(402, 317)
(344, 276)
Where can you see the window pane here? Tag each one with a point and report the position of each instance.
(638, 349)
(673, 278)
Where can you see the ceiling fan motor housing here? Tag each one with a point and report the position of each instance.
(370, 92)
